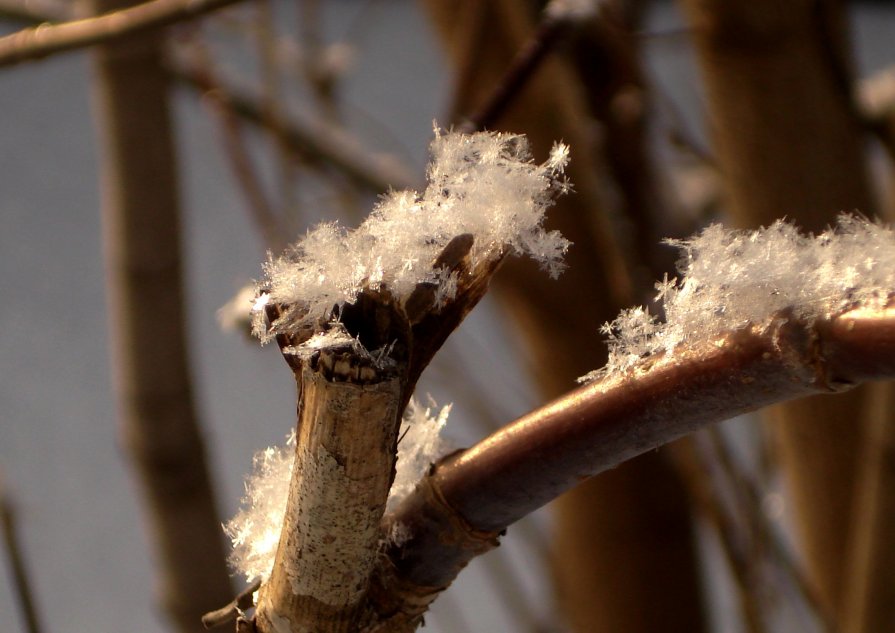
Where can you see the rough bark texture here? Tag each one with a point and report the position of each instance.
(348, 421)
(789, 145)
(159, 425)
(624, 533)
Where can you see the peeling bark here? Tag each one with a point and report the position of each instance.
(345, 451)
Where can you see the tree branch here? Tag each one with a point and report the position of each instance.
(337, 496)
(306, 135)
(20, 581)
(45, 39)
(468, 499)
(160, 428)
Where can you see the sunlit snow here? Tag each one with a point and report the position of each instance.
(484, 184)
(735, 279)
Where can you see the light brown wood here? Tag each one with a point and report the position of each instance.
(346, 442)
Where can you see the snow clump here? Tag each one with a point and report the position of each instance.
(484, 184)
(732, 279)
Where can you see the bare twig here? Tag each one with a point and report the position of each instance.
(272, 103)
(549, 32)
(33, 12)
(47, 39)
(269, 225)
(228, 613)
(309, 136)
(705, 491)
(460, 509)
(20, 582)
(749, 500)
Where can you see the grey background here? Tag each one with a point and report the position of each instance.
(79, 517)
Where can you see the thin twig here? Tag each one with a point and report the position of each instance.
(31, 12)
(47, 39)
(243, 601)
(20, 582)
(749, 498)
(704, 489)
(310, 137)
(549, 32)
(269, 225)
(272, 103)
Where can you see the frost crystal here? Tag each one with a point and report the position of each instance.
(484, 184)
(255, 530)
(420, 445)
(736, 279)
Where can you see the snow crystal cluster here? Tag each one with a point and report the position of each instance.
(255, 530)
(420, 445)
(483, 184)
(735, 279)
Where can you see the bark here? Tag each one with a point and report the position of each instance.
(159, 425)
(345, 451)
(789, 143)
(623, 539)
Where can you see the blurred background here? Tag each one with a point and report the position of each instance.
(677, 115)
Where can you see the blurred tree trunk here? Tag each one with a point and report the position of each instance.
(623, 546)
(141, 223)
(790, 145)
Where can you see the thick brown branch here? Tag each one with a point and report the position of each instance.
(470, 497)
(46, 39)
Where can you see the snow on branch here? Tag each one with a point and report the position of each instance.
(410, 273)
(733, 279)
(484, 185)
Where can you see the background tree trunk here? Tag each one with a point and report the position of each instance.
(624, 539)
(159, 426)
(789, 144)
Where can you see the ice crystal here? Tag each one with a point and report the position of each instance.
(484, 184)
(255, 530)
(421, 444)
(733, 279)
